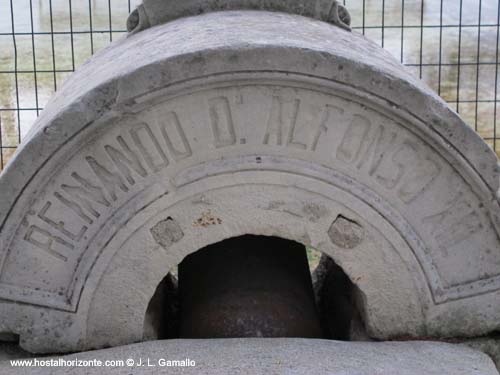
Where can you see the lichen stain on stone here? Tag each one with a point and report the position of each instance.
(207, 219)
(314, 211)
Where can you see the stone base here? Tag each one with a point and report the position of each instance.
(280, 356)
(488, 345)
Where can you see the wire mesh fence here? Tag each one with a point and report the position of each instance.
(453, 45)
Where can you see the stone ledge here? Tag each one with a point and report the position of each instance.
(488, 345)
(287, 356)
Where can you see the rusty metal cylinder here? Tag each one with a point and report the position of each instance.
(249, 286)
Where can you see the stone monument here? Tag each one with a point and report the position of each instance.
(216, 119)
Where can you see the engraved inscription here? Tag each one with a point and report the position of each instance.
(417, 172)
(388, 159)
(46, 241)
(276, 123)
(284, 123)
(87, 194)
(292, 140)
(395, 162)
(329, 113)
(170, 128)
(60, 226)
(111, 180)
(222, 123)
(133, 157)
(126, 161)
(350, 147)
(149, 147)
(455, 223)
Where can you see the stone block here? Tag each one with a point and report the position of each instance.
(243, 122)
(278, 356)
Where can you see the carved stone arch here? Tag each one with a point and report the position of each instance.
(265, 123)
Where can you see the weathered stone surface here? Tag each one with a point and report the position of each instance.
(155, 12)
(235, 123)
(346, 233)
(282, 356)
(488, 345)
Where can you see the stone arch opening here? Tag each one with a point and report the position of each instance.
(340, 302)
(240, 275)
(162, 315)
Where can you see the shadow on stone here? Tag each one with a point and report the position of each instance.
(337, 299)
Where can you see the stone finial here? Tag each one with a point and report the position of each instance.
(154, 12)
